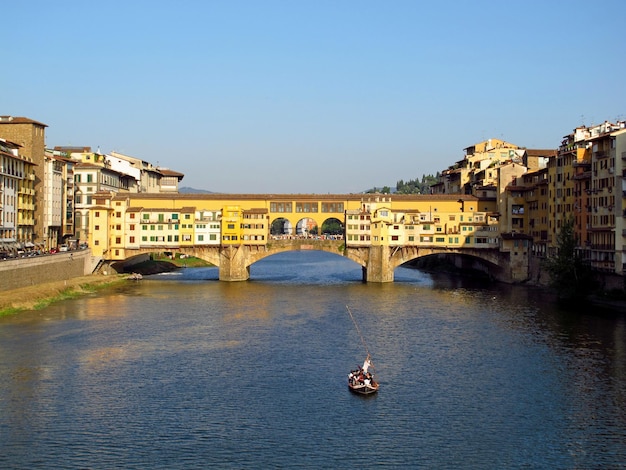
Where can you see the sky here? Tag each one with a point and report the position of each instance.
(296, 96)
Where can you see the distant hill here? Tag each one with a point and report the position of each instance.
(187, 190)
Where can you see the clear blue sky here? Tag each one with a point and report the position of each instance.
(319, 96)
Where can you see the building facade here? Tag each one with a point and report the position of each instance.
(30, 136)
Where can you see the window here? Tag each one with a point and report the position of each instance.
(280, 207)
(306, 206)
(131, 239)
(332, 206)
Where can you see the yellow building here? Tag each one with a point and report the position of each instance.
(166, 222)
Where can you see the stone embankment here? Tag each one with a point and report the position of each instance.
(31, 297)
(35, 294)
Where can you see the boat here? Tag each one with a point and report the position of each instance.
(361, 380)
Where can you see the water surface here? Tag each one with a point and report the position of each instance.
(184, 371)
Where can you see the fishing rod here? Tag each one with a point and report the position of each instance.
(358, 331)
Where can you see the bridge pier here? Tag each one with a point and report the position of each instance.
(379, 267)
(233, 264)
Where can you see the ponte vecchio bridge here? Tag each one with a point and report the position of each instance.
(379, 232)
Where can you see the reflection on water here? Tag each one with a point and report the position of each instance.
(184, 371)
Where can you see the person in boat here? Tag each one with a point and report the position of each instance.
(366, 365)
(353, 376)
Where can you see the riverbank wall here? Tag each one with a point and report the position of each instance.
(25, 272)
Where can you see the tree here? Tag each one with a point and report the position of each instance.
(569, 274)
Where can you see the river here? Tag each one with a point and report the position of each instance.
(183, 371)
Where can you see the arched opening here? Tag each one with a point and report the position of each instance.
(332, 228)
(306, 228)
(281, 227)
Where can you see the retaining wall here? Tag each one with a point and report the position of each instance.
(25, 272)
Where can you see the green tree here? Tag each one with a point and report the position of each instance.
(332, 226)
(569, 274)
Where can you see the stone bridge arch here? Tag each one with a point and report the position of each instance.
(295, 220)
(377, 262)
(296, 244)
(494, 262)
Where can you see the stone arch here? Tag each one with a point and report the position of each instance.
(298, 244)
(281, 226)
(306, 227)
(483, 260)
(333, 227)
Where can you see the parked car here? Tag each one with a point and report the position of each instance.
(54, 250)
(64, 248)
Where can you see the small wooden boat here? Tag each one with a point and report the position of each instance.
(364, 389)
(361, 381)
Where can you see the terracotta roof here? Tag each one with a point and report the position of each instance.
(168, 172)
(71, 149)
(541, 152)
(88, 165)
(19, 120)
